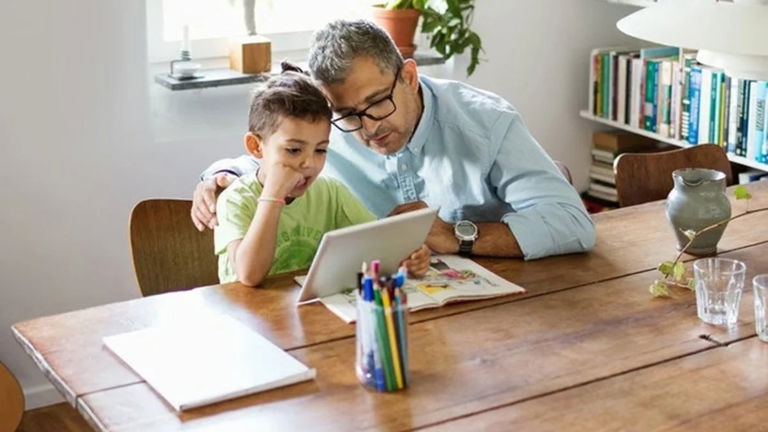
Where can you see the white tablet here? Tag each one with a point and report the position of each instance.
(342, 252)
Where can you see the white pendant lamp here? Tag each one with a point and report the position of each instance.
(729, 35)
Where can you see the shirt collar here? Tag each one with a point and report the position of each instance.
(425, 122)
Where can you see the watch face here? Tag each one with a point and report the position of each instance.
(465, 229)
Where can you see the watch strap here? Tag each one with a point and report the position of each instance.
(465, 247)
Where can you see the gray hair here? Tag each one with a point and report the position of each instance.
(340, 42)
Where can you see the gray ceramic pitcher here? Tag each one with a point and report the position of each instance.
(697, 201)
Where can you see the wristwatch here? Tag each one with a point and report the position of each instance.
(466, 232)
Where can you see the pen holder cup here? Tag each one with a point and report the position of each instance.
(381, 360)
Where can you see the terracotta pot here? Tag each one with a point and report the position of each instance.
(401, 25)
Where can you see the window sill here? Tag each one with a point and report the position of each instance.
(213, 76)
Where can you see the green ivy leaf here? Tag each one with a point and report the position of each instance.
(659, 289)
(741, 193)
(666, 268)
(692, 284)
(679, 271)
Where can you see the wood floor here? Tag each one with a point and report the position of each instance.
(59, 418)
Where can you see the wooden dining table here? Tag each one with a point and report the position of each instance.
(585, 348)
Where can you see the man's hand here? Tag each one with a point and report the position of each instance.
(441, 238)
(418, 263)
(204, 199)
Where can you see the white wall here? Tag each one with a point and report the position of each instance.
(538, 59)
(84, 135)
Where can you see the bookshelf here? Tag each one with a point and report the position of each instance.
(733, 158)
(663, 93)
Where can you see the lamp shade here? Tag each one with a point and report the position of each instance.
(731, 36)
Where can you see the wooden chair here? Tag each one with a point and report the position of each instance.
(169, 253)
(11, 401)
(643, 177)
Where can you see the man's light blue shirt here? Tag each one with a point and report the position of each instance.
(471, 156)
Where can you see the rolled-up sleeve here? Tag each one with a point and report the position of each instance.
(236, 166)
(548, 216)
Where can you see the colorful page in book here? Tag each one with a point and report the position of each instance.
(450, 278)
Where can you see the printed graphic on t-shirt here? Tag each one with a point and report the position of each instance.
(296, 248)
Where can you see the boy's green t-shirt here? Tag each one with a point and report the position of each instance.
(325, 206)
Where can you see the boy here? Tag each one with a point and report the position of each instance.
(272, 221)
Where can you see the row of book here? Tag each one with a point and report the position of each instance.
(606, 147)
(665, 91)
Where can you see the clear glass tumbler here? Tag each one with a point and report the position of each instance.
(760, 287)
(719, 284)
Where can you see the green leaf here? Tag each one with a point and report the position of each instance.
(666, 268)
(740, 192)
(679, 271)
(692, 284)
(659, 289)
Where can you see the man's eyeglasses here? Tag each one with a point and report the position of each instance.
(378, 110)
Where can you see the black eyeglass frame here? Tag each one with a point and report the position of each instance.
(362, 113)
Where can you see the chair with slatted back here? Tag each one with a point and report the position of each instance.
(643, 177)
(169, 253)
(11, 401)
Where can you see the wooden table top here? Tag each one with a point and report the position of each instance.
(586, 320)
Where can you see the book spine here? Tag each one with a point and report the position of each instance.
(759, 121)
(751, 120)
(733, 113)
(593, 67)
(764, 150)
(705, 102)
(621, 90)
(651, 94)
(604, 84)
(628, 90)
(676, 101)
(685, 116)
(713, 108)
(722, 110)
(612, 87)
(742, 102)
(695, 99)
(641, 100)
(664, 99)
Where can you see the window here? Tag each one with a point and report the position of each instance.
(212, 22)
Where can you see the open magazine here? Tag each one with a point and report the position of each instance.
(450, 278)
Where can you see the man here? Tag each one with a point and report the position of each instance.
(402, 142)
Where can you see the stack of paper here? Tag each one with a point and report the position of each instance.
(210, 360)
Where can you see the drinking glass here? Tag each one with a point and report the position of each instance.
(760, 287)
(719, 283)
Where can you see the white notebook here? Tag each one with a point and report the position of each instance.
(210, 360)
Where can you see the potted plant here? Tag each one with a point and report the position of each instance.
(448, 27)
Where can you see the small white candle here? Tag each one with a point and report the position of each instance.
(185, 38)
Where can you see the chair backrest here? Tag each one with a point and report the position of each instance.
(12, 398)
(643, 177)
(169, 253)
(564, 171)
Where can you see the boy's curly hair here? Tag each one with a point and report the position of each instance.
(290, 94)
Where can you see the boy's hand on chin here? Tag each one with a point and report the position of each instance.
(418, 263)
(281, 180)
